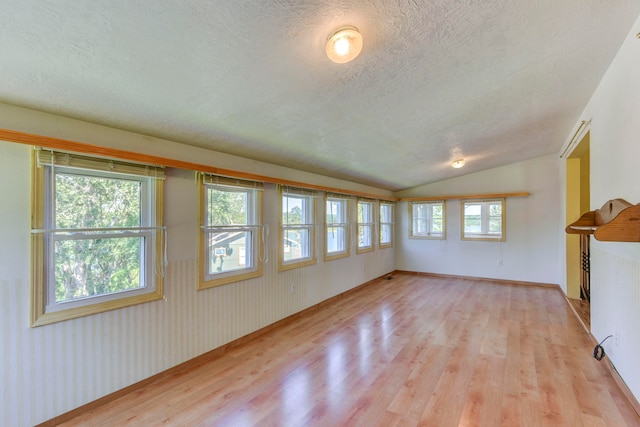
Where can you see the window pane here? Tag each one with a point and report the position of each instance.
(436, 218)
(385, 233)
(385, 213)
(336, 211)
(364, 236)
(336, 239)
(473, 218)
(364, 212)
(83, 201)
(296, 244)
(293, 210)
(97, 266)
(419, 219)
(335, 227)
(226, 207)
(92, 266)
(229, 250)
(495, 218)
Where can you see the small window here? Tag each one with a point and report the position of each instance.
(336, 227)
(386, 224)
(483, 220)
(427, 220)
(231, 230)
(97, 237)
(365, 225)
(297, 228)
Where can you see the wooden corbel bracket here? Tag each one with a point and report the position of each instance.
(616, 221)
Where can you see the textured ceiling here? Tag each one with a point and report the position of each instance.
(493, 81)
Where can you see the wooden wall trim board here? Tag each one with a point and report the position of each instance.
(199, 360)
(464, 197)
(81, 147)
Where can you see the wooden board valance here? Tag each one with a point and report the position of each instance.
(465, 197)
(616, 221)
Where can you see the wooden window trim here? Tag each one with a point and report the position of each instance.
(38, 286)
(485, 238)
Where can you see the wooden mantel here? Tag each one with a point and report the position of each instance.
(616, 221)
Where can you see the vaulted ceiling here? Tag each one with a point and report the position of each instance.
(492, 81)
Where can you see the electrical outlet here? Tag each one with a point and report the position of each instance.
(499, 262)
(292, 288)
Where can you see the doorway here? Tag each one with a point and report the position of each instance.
(577, 251)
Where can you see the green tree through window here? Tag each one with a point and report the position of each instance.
(87, 264)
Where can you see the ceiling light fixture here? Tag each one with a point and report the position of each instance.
(344, 44)
(457, 164)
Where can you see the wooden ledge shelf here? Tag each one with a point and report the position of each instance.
(616, 221)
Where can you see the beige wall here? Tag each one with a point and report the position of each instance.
(534, 226)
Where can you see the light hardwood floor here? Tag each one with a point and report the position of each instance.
(413, 350)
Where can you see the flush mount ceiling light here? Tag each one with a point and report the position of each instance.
(344, 44)
(457, 164)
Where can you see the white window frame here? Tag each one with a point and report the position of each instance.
(254, 251)
(365, 226)
(306, 226)
(422, 224)
(386, 223)
(484, 234)
(46, 166)
(336, 224)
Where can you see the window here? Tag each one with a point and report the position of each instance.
(365, 224)
(427, 220)
(336, 227)
(297, 228)
(97, 235)
(231, 231)
(386, 224)
(483, 220)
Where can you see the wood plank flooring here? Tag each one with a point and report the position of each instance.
(412, 350)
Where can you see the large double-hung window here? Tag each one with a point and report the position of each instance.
(336, 226)
(365, 222)
(386, 224)
(297, 227)
(230, 231)
(97, 235)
